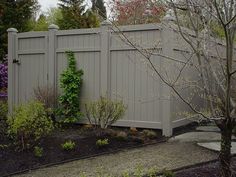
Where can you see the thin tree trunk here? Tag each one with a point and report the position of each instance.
(225, 152)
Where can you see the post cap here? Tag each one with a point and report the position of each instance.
(106, 23)
(12, 30)
(53, 27)
(169, 17)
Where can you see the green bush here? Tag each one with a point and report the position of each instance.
(68, 145)
(38, 151)
(104, 112)
(101, 143)
(29, 123)
(70, 82)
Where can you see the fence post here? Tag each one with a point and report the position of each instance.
(167, 49)
(105, 58)
(12, 32)
(52, 57)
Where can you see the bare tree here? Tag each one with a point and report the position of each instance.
(217, 76)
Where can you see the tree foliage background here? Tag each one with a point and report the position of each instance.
(16, 14)
(75, 15)
(24, 16)
(131, 12)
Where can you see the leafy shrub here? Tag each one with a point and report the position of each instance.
(3, 76)
(149, 133)
(68, 145)
(104, 112)
(70, 82)
(102, 142)
(38, 151)
(29, 123)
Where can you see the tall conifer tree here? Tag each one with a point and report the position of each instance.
(74, 15)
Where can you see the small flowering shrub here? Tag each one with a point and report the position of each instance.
(28, 124)
(3, 76)
(104, 112)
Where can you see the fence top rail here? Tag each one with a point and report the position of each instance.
(141, 27)
(32, 34)
(78, 31)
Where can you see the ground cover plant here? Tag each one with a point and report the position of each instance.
(68, 145)
(38, 151)
(102, 142)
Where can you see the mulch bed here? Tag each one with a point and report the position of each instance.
(12, 161)
(205, 170)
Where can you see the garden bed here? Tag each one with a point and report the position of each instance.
(85, 139)
(210, 169)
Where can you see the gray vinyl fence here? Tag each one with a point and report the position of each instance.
(111, 67)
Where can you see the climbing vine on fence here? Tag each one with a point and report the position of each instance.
(70, 82)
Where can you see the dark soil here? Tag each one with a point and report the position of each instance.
(85, 138)
(206, 170)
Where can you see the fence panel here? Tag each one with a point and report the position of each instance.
(132, 79)
(112, 67)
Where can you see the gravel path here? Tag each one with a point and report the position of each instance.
(168, 155)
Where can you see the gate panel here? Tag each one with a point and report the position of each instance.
(32, 66)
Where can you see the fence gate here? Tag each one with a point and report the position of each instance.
(30, 65)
